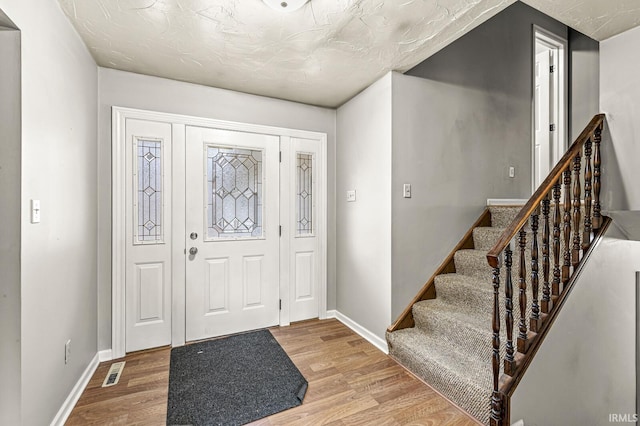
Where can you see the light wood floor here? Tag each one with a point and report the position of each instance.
(350, 383)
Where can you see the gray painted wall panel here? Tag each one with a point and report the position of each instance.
(364, 226)
(10, 226)
(620, 100)
(59, 158)
(584, 369)
(584, 91)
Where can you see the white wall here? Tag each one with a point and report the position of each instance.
(118, 88)
(620, 100)
(59, 157)
(10, 225)
(588, 357)
(363, 231)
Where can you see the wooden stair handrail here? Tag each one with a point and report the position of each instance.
(544, 188)
(565, 249)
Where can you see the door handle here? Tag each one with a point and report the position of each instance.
(193, 251)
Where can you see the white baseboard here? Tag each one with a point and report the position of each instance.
(74, 395)
(363, 332)
(105, 355)
(506, 202)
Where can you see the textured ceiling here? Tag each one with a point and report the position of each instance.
(322, 54)
(599, 19)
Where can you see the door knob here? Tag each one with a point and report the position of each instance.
(193, 235)
(193, 251)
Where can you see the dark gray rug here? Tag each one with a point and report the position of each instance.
(232, 381)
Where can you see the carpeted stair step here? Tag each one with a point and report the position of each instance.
(470, 332)
(485, 237)
(465, 292)
(454, 373)
(473, 263)
(475, 296)
(501, 217)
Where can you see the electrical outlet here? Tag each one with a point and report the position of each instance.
(67, 351)
(512, 171)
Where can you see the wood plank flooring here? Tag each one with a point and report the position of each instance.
(350, 383)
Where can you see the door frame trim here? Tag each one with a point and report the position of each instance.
(118, 205)
(562, 140)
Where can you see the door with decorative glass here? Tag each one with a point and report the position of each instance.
(232, 224)
(148, 218)
(301, 193)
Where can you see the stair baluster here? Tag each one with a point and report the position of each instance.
(509, 362)
(567, 227)
(575, 252)
(597, 217)
(555, 289)
(496, 397)
(534, 321)
(522, 326)
(586, 236)
(546, 292)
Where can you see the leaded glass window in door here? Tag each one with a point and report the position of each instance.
(148, 200)
(304, 193)
(234, 191)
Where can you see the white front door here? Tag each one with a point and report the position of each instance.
(217, 189)
(232, 227)
(148, 149)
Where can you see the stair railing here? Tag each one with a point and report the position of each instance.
(566, 238)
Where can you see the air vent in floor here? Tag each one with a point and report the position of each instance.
(114, 374)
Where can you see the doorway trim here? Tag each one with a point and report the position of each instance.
(119, 115)
(561, 79)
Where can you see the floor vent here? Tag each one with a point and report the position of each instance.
(114, 374)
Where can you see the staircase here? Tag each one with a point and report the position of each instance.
(467, 333)
(448, 347)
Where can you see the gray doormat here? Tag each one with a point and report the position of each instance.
(232, 381)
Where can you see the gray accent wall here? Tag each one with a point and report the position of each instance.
(10, 146)
(461, 118)
(124, 89)
(58, 166)
(440, 149)
(584, 89)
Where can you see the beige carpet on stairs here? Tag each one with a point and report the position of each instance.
(450, 345)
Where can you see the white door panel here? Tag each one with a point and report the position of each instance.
(304, 242)
(148, 234)
(542, 113)
(232, 202)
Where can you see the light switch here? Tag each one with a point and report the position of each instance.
(406, 190)
(35, 211)
(512, 172)
(351, 195)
